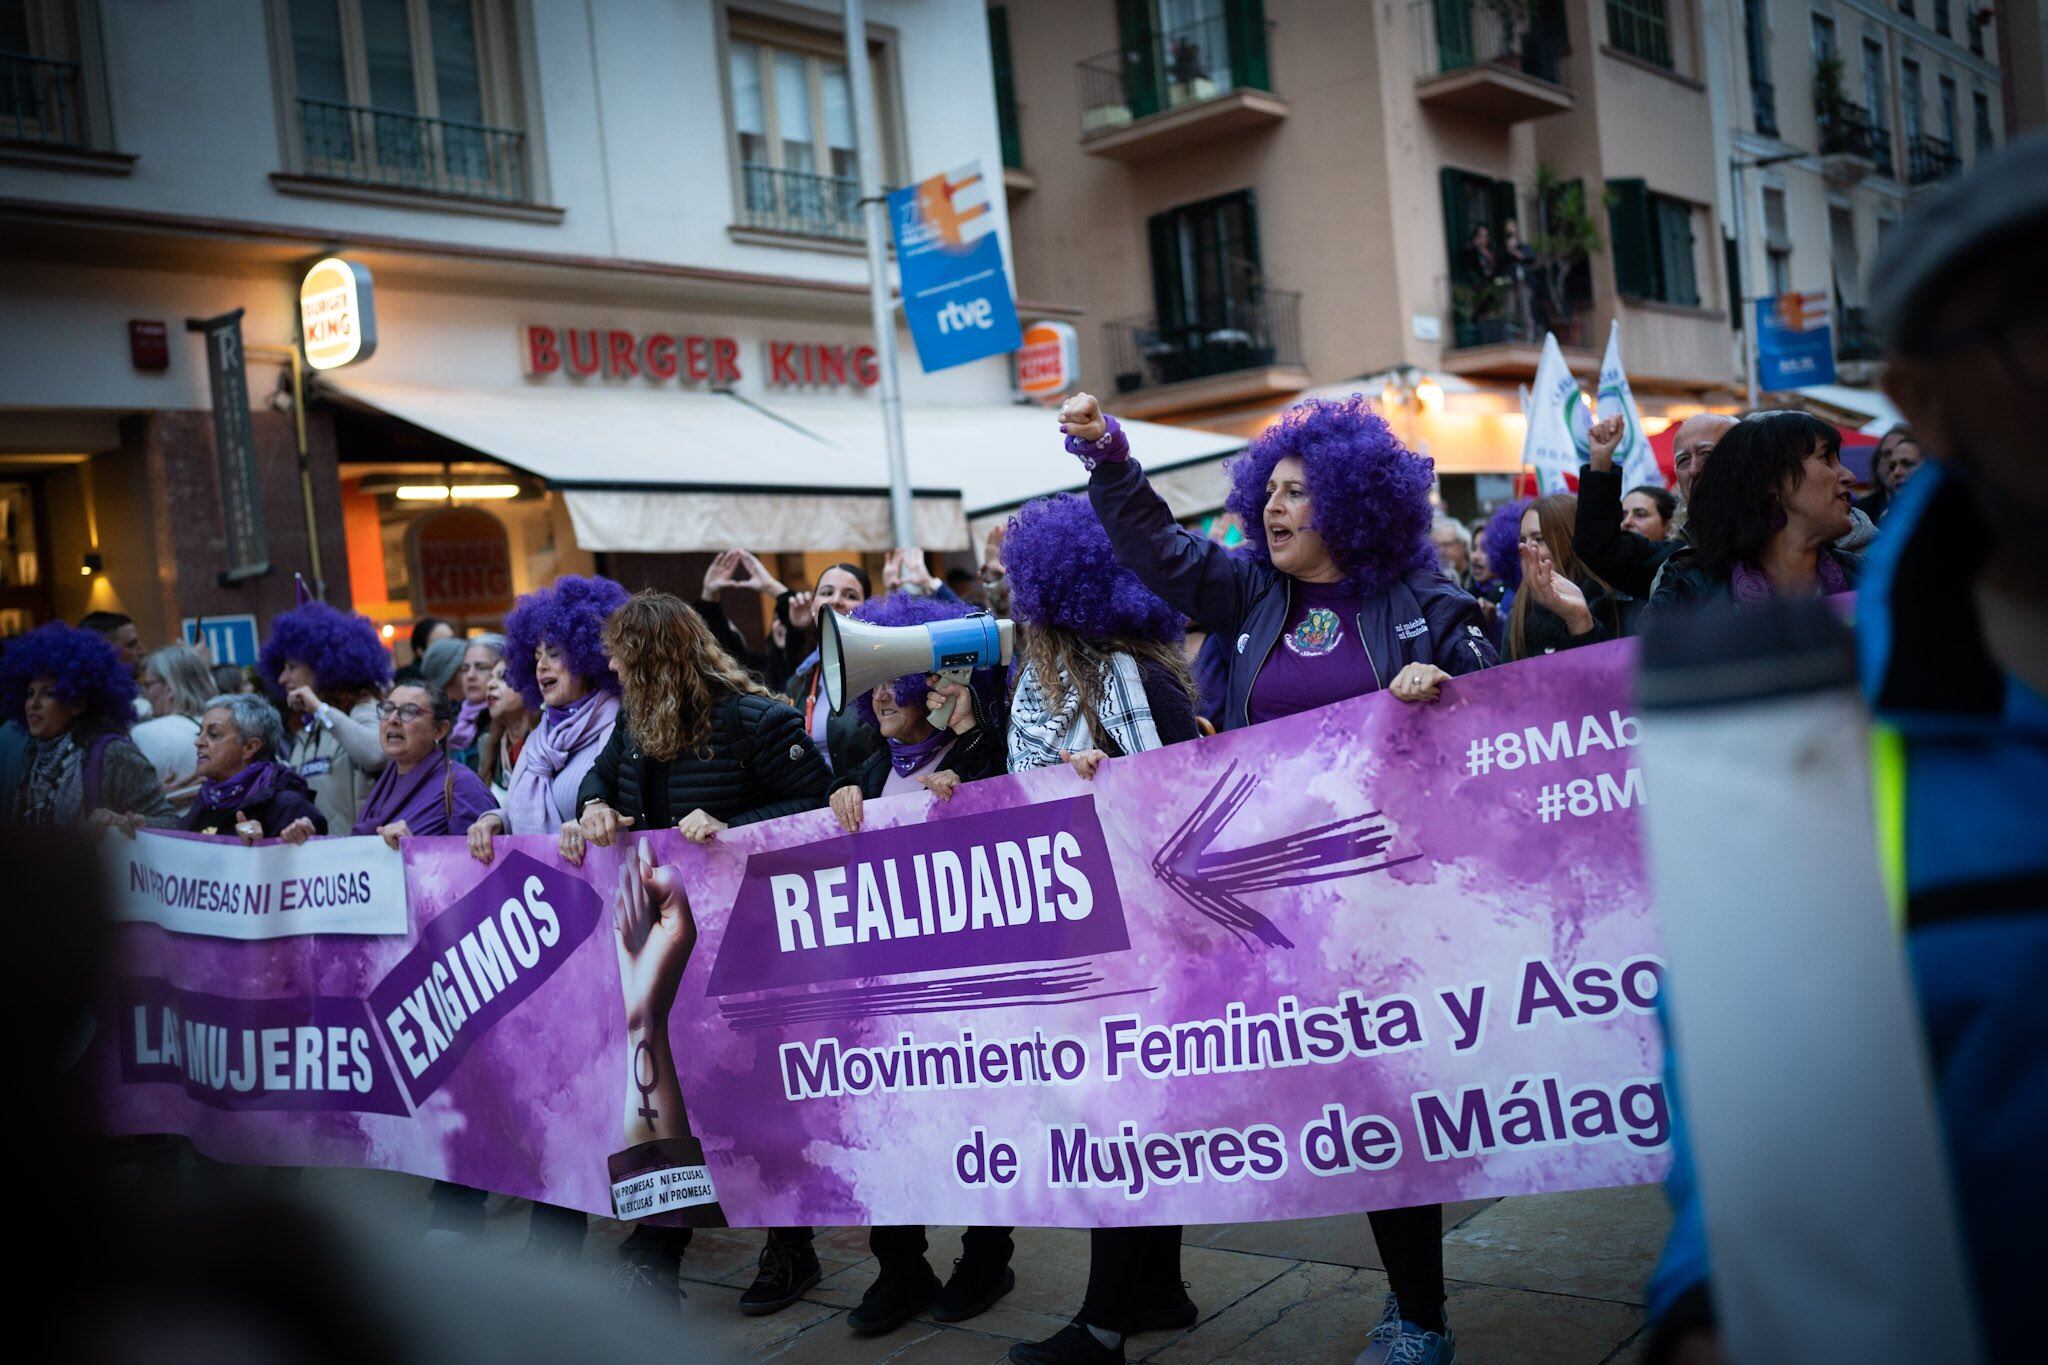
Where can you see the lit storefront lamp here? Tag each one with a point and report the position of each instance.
(91, 565)
(461, 492)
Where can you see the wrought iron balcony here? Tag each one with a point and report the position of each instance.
(1846, 130)
(1929, 159)
(39, 101)
(1480, 59)
(1218, 72)
(801, 202)
(1259, 331)
(395, 150)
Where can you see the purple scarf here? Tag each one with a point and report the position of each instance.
(252, 786)
(1750, 584)
(908, 758)
(463, 733)
(557, 756)
(413, 797)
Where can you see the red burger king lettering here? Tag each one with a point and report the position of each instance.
(678, 358)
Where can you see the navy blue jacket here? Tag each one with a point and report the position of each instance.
(1425, 618)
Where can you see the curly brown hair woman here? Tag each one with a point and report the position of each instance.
(700, 745)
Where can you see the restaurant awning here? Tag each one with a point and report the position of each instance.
(668, 472)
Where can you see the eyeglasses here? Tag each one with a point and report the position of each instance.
(407, 713)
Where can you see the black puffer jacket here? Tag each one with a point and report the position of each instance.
(761, 765)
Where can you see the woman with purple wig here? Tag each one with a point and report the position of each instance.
(936, 735)
(1337, 593)
(554, 657)
(332, 669)
(1101, 674)
(75, 696)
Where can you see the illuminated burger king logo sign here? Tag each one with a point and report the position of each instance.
(1048, 362)
(337, 320)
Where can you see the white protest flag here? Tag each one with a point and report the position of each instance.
(1550, 447)
(1637, 461)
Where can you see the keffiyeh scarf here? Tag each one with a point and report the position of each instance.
(1039, 734)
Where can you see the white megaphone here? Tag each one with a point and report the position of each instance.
(855, 657)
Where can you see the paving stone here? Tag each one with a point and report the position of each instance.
(1599, 1244)
(1313, 1312)
(1519, 1327)
(1343, 1239)
(832, 1342)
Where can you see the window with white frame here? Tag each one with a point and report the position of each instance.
(407, 94)
(793, 129)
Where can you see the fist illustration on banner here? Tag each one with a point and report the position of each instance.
(654, 933)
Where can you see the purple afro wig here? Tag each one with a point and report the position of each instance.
(907, 609)
(1501, 539)
(340, 647)
(1370, 492)
(1063, 573)
(86, 669)
(569, 614)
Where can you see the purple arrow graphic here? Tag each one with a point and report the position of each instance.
(1213, 880)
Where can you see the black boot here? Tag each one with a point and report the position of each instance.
(785, 1274)
(1073, 1344)
(899, 1293)
(650, 1268)
(973, 1290)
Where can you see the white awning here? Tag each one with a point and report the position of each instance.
(664, 471)
(1000, 456)
(670, 472)
(1871, 404)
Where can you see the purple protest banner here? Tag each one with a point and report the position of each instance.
(1367, 957)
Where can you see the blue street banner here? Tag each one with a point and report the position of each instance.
(1795, 346)
(956, 295)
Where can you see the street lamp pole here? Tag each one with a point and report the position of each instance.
(875, 223)
(1736, 166)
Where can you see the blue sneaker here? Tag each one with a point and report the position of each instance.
(1396, 1341)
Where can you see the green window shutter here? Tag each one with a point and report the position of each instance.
(1006, 86)
(1738, 309)
(1245, 26)
(1630, 237)
(1456, 227)
(1140, 44)
(1453, 34)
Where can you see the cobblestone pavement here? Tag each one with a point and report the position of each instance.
(1539, 1280)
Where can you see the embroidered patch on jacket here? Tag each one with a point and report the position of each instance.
(1318, 634)
(1409, 630)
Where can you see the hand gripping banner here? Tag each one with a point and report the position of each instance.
(1370, 956)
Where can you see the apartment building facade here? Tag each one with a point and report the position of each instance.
(1314, 193)
(1854, 108)
(619, 285)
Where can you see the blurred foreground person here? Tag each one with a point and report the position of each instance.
(1952, 625)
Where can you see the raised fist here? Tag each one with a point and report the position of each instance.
(1081, 417)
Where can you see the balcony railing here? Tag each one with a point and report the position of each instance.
(1846, 130)
(1456, 35)
(1172, 69)
(1929, 159)
(39, 101)
(390, 149)
(801, 202)
(1503, 312)
(1256, 332)
(1855, 339)
(1763, 106)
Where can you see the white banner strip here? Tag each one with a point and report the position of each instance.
(652, 1192)
(219, 889)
